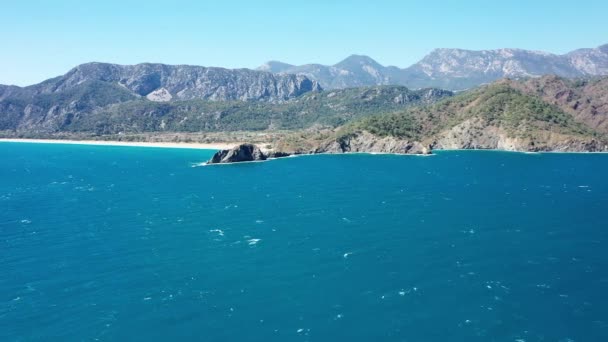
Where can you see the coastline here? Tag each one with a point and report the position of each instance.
(439, 151)
(198, 146)
(224, 145)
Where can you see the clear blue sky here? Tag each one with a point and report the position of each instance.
(42, 39)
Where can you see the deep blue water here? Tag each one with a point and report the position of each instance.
(123, 243)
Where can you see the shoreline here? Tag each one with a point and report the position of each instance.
(224, 146)
(195, 146)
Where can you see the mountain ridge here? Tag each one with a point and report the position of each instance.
(448, 68)
(453, 68)
(183, 82)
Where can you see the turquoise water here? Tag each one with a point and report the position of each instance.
(124, 243)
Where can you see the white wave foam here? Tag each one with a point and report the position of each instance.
(252, 242)
(218, 231)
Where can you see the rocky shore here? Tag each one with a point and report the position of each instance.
(365, 142)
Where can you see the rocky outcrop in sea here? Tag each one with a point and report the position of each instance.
(237, 154)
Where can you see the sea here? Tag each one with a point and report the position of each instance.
(102, 243)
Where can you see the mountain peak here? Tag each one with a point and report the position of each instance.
(356, 61)
(274, 67)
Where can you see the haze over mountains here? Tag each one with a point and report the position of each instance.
(453, 69)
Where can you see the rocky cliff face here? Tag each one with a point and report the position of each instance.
(185, 82)
(473, 134)
(454, 69)
(363, 141)
(478, 134)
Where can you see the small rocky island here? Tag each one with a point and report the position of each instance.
(244, 153)
(240, 153)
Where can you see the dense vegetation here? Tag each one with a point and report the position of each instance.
(497, 105)
(102, 108)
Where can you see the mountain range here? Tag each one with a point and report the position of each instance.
(532, 101)
(453, 69)
(161, 83)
